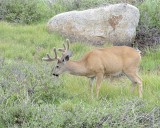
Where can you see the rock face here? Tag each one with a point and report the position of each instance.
(114, 23)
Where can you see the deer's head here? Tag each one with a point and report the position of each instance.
(61, 61)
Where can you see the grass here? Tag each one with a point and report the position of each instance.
(32, 40)
(29, 95)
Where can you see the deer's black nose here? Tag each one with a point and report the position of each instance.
(55, 74)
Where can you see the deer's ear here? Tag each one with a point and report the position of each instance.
(66, 58)
(69, 53)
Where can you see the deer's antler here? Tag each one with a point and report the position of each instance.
(48, 58)
(65, 49)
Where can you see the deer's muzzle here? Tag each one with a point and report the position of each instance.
(55, 75)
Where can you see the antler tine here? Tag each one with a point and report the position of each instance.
(55, 53)
(62, 49)
(66, 48)
(68, 42)
(48, 58)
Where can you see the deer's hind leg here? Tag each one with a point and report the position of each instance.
(135, 79)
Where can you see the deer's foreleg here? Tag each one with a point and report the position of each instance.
(91, 85)
(99, 79)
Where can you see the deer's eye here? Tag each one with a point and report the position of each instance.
(57, 66)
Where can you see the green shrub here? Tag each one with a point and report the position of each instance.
(23, 11)
(122, 113)
(26, 80)
(15, 115)
(150, 15)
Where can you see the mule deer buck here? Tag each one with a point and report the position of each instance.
(99, 63)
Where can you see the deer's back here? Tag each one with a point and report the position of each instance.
(111, 60)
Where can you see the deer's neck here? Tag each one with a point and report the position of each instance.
(76, 68)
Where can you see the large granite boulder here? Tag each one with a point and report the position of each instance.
(113, 23)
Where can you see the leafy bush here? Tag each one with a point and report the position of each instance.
(123, 113)
(25, 81)
(148, 31)
(150, 15)
(23, 11)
